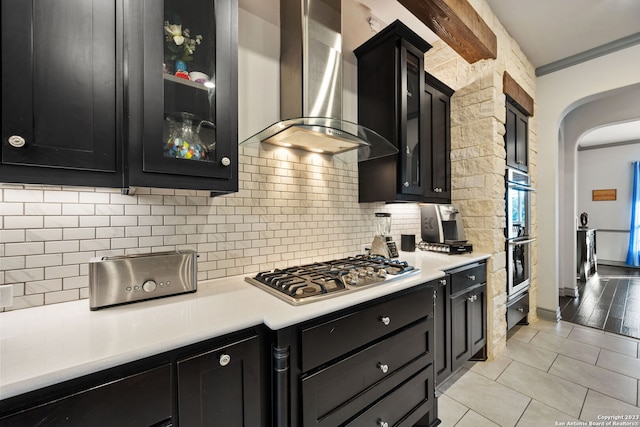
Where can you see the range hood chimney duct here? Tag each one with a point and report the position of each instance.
(311, 86)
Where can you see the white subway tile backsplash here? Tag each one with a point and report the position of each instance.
(124, 221)
(61, 246)
(95, 221)
(13, 222)
(61, 196)
(77, 257)
(78, 209)
(31, 248)
(24, 275)
(11, 208)
(12, 263)
(43, 286)
(124, 243)
(75, 282)
(62, 271)
(93, 198)
(110, 232)
(95, 245)
(79, 233)
(296, 209)
(61, 221)
(42, 209)
(20, 195)
(12, 236)
(27, 301)
(43, 260)
(61, 296)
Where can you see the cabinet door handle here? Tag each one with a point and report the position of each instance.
(385, 320)
(225, 161)
(443, 282)
(406, 184)
(470, 298)
(382, 423)
(520, 309)
(224, 359)
(472, 277)
(383, 368)
(16, 141)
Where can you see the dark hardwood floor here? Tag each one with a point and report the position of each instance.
(609, 300)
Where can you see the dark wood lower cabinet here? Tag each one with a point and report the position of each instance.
(221, 387)
(460, 319)
(219, 382)
(368, 365)
(142, 399)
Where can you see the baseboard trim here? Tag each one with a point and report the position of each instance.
(616, 264)
(553, 315)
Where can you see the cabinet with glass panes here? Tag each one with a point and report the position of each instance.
(183, 98)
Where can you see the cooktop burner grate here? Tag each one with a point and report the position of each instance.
(306, 283)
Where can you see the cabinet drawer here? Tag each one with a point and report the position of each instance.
(328, 340)
(410, 401)
(334, 394)
(461, 280)
(517, 310)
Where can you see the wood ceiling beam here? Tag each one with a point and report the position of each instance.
(458, 24)
(511, 88)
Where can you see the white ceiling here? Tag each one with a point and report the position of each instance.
(551, 30)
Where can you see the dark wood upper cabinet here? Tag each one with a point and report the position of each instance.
(91, 93)
(183, 133)
(62, 92)
(516, 137)
(438, 140)
(397, 99)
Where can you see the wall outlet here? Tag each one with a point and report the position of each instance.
(6, 295)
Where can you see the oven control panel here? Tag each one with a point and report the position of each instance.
(132, 278)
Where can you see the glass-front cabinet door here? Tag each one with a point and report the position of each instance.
(188, 64)
(412, 146)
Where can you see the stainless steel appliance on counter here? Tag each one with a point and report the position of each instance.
(517, 233)
(383, 243)
(442, 229)
(132, 278)
(320, 280)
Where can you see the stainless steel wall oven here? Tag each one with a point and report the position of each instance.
(517, 233)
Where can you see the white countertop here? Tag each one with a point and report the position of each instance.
(45, 345)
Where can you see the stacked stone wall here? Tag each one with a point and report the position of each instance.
(478, 158)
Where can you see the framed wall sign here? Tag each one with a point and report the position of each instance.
(603, 195)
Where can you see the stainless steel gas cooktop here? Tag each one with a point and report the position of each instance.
(321, 280)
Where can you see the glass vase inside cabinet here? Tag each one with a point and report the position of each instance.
(189, 84)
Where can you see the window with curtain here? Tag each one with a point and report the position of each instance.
(633, 255)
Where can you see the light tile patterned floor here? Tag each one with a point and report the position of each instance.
(551, 374)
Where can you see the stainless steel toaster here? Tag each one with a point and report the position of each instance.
(132, 278)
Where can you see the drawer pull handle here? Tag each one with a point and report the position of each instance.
(385, 320)
(225, 359)
(472, 277)
(16, 141)
(382, 423)
(383, 368)
(521, 309)
(443, 282)
(472, 298)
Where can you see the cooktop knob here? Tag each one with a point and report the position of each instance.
(382, 273)
(149, 286)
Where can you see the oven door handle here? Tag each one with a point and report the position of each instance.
(520, 242)
(520, 187)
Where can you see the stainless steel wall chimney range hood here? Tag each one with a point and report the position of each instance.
(311, 86)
